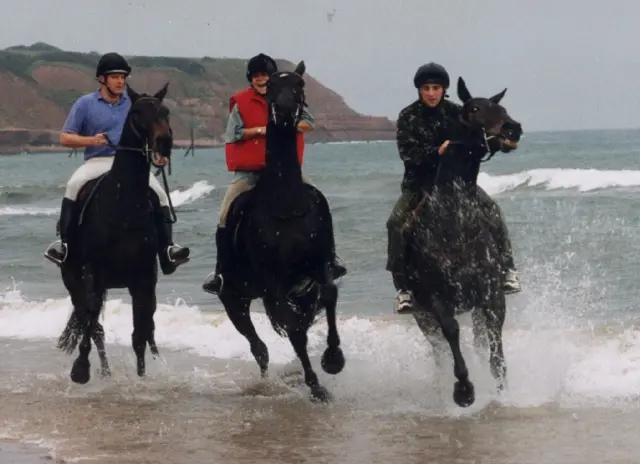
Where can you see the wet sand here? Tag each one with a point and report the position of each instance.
(197, 410)
(12, 453)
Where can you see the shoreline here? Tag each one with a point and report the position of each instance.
(37, 149)
(179, 144)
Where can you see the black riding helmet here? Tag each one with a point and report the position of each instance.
(112, 63)
(261, 63)
(431, 73)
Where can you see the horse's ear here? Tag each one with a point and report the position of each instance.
(133, 95)
(463, 92)
(300, 69)
(160, 94)
(497, 97)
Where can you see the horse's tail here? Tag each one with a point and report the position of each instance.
(292, 311)
(70, 336)
(68, 340)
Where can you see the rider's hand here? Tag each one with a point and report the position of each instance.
(99, 139)
(443, 147)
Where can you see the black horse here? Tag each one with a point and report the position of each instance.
(115, 242)
(453, 261)
(283, 243)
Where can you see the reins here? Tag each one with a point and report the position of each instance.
(148, 153)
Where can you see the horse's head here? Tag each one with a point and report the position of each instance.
(285, 96)
(488, 115)
(149, 119)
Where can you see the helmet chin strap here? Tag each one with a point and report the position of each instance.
(110, 92)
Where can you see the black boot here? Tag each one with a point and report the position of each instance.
(170, 255)
(338, 269)
(59, 255)
(214, 282)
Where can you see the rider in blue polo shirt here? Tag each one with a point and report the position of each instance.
(94, 120)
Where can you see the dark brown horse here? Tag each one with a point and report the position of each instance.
(116, 240)
(453, 262)
(284, 244)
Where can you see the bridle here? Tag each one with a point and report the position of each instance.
(147, 152)
(300, 104)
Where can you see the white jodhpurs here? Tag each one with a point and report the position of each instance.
(94, 168)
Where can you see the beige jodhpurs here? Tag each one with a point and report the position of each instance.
(94, 168)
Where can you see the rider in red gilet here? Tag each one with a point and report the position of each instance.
(245, 153)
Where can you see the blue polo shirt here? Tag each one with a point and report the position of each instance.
(91, 115)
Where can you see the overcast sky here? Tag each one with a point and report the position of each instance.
(568, 64)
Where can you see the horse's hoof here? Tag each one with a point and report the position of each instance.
(319, 394)
(264, 374)
(141, 369)
(80, 372)
(464, 394)
(501, 387)
(105, 372)
(332, 361)
(154, 351)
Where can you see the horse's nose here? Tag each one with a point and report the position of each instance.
(164, 144)
(512, 130)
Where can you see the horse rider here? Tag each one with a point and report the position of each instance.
(245, 153)
(421, 138)
(95, 121)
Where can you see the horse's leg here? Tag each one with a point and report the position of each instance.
(332, 358)
(463, 391)
(298, 338)
(495, 317)
(94, 296)
(68, 340)
(479, 320)
(237, 309)
(98, 339)
(143, 302)
(430, 328)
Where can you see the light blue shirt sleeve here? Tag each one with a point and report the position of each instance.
(75, 122)
(308, 117)
(235, 126)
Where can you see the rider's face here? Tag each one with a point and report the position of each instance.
(115, 82)
(431, 94)
(259, 82)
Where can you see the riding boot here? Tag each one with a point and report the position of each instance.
(170, 255)
(55, 254)
(214, 282)
(338, 269)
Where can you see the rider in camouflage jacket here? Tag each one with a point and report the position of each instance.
(422, 129)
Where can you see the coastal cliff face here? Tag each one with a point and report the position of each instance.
(39, 83)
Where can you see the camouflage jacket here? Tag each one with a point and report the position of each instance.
(420, 132)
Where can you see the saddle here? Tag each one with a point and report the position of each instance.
(86, 196)
(92, 187)
(295, 205)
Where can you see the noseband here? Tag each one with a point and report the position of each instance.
(485, 138)
(300, 104)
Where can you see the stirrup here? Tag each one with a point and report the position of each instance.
(52, 253)
(170, 248)
(211, 277)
